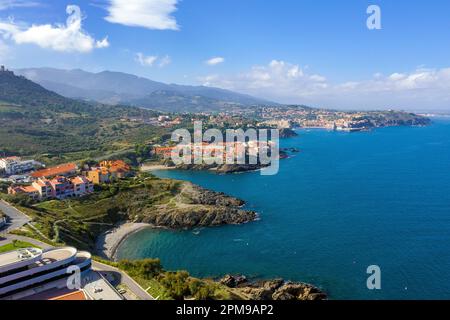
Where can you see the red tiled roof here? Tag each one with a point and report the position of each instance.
(80, 180)
(114, 166)
(29, 189)
(54, 171)
(23, 189)
(73, 296)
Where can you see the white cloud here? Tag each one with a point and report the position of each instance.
(421, 89)
(150, 61)
(146, 61)
(282, 78)
(67, 38)
(102, 43)
(211, 80)
(8, 4)
(215, 61)
(164, 61)
(151, 14)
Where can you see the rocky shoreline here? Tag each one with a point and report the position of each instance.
(193, 207)
(287, 133)
(277, 289)
(222, 168)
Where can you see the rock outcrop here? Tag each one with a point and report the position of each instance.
(194, 206)
(276, 289)
(222, 168)
(287, 133)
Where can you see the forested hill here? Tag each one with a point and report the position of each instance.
(34, 120)
(21, 91)
(31, 96)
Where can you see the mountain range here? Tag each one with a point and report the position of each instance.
(121, 88)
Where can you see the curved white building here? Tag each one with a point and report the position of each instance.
(27, 268)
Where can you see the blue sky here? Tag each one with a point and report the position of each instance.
(318, 52)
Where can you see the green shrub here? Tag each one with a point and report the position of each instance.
(146, 268)
(176, 284)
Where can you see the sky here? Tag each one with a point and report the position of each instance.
(315, 52)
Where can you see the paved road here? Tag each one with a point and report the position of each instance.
(7, 238)
(16, 218)
(126, 280)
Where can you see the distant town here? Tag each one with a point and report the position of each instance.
(292, 117)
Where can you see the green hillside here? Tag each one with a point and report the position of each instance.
(35, 121)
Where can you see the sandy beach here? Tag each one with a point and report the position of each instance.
(155, 167)
(108, 242)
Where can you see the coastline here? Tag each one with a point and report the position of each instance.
(154, 167)
(108, 242)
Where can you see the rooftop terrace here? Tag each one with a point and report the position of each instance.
(18, 257)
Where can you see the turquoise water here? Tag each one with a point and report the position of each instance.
(347, 201)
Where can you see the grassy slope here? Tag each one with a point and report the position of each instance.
(152, 276)
(16, 245)
(79, 221)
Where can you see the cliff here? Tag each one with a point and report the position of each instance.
(193, 207)
(287, 133)
(277, 289)
(223, 168)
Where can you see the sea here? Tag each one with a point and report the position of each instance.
(345, 202)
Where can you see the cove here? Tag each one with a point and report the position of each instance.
(345, 202)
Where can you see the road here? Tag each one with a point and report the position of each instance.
(16, 218)
(7, 238)
(132, 285)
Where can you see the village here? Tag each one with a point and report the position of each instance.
(59, 182)
(40, 183)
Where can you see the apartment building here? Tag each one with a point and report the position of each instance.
(117, 168)
(28, 190)
(15, 165)
(43, 187)
(81, 186)
(24, 271)
(59, 187)
(108, 171)
(98, 176)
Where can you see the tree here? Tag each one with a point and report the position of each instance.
(176, 284)
(142, 152)
(88, 163)
(200, 290)
(21, 200)
(146, 268)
